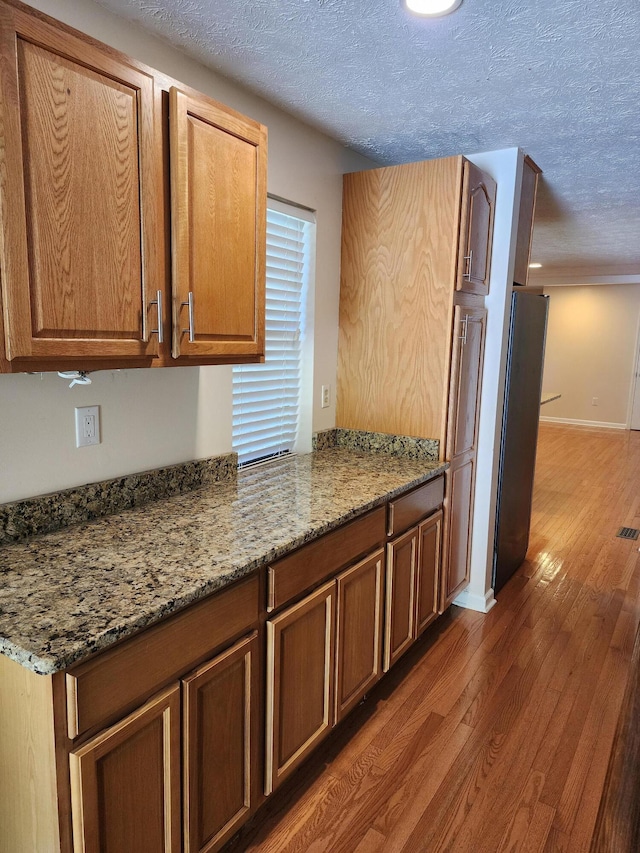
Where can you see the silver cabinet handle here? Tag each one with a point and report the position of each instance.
(192, 329)
(159, 331)
(465, 326)
(469, 258)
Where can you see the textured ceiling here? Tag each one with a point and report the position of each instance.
(558, 78)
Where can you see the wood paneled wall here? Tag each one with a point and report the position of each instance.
(399, 254)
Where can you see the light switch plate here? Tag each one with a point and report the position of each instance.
(87, 425)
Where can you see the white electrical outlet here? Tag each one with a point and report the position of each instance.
(594, 401)
(326, 396)
(87, 425)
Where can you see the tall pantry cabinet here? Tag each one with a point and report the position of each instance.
(416, 255)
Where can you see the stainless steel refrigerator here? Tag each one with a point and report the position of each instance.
(520, 420)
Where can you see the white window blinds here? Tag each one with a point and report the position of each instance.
(266, 397)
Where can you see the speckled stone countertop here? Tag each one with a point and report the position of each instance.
(68, 594)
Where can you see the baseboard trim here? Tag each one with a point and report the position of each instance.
(473, 601)
(575, 422)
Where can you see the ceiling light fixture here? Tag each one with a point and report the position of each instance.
(432, 8)
(535, 266)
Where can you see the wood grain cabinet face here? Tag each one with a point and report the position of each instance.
(220, 718)
(125, 783)
(413, 582)
(84, 200)
(80, 161)
(398, 265)
(464, 413)
(300, 682)
(460, 491)
(218, 206)
(360, 608)
(428, 572)
(469, 333)
(400, 596)
(526, 213)
(478, 205)
(416, 237)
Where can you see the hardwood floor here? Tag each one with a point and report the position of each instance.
(495, 732)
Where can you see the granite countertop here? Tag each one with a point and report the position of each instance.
(68, 594)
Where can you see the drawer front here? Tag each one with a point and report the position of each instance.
(113, 682)
(324, 557)
(409, 509)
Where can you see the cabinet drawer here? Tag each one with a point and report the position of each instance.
(100, 689)
(409, 509)
(318, 560)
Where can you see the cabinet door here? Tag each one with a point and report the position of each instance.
(428, 572)
(300, 678)
(220, 704)
(218, 218)
(400, 596)
(80, 166)
(469, 326)
(526, 212)
(461, 483)
(476, 233)
(125, 783)
(358, 631)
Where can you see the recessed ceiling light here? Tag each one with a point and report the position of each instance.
(432, 8)
(535, 266)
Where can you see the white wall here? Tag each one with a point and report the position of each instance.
(590, 352)
(164, 416)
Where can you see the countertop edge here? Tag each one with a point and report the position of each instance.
(44, 665)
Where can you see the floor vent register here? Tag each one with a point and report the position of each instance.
(628, 533)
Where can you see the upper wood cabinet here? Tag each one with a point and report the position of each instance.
(132, 210)
(218, 203)
(80, 185)
(476, 231)
(407, 231)
(466, 379)
(526, 213)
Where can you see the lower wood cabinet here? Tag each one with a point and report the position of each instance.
(428, 572)
(462, 445)
(461, 478)
(300, 682)
(220, 737)
(169, 741)
(323, 655)
(360, 612)
(125, 783)
(412, 590)
(402, 558)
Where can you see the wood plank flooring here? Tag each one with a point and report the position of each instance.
(495, 732)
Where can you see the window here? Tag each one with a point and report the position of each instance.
(268, 398)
